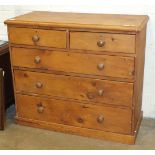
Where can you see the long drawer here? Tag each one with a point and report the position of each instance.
(100, 65)
(75, 114)
(37, 37)
(102, 42)
(84, 89)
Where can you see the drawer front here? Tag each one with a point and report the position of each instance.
(37, 37)
(84, 89)
(102, 42)
(100, 65)
(74, 114)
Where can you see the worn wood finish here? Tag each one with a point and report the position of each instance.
(140, 60)
(70, 113)
(99, 134)
(37, 37)
(111, 42)
(113, 66)
(111, 22)
(95, 51)
(86, 89)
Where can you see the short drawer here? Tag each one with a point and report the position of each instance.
(102, 42)
(71, 62)
(75, 114)
(83, 89)
(37, 37)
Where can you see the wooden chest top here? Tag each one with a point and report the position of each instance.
(131, 23)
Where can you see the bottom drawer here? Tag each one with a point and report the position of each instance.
(75, 114)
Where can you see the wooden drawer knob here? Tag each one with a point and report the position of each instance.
(100, 43)
(100, 119)
(35, 38)
(37, 59)
(100, 66)
(40, 108)
(101, 92)
(91, 95)
(39, 85)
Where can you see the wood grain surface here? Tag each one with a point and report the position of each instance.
(111, 22)
(112, 42)
(84, 89)
(114, 66)
(47, 38)
(65, 112)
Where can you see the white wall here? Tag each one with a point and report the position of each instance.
(104, 6)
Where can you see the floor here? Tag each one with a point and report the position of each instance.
(20, 137)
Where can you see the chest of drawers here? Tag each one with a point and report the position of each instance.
(79, 73)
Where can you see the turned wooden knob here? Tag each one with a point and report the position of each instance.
(100, 119)
(35, 38)
(37, 59)
(100, 66)
(101, 92)
(100, 43)
(40, 108)
(39, 85)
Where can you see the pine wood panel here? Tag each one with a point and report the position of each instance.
(138, 90)
(111, 42)
(114, 66)
(49, 38)
(112, 22)
(70, 113)
(99, 134)
(86, 89)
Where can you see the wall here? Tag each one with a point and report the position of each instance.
(104, 6)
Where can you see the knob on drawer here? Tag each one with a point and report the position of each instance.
(37, 59)
(39, 85)
(100, 43)
(100, 66)
(100, 119)
(35, 38)
(40, 108)
(101, 92)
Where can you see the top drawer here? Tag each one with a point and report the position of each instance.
(39, 37)
(102, 42)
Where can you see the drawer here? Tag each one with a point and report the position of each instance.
(102, 42)
(75, 114)
(99, 65)
(84, 89)
(37, 37)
